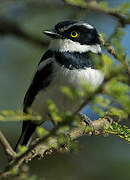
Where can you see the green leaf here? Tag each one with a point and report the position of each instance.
(41, 131)
(10, 115)
(74, 147)
(14, 171)
(107, 63)
(124, 7)
(54, 112)
(72, 93)
(21, 149)
(121, 131)
(81, 3)
(103, 5)
(119, 91)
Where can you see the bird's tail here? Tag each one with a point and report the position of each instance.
(26, 135)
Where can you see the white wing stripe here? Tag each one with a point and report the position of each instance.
(44, 63)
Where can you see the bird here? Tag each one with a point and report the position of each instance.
(66, 62)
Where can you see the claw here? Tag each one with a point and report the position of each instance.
(88, 122)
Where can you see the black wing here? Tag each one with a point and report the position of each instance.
(40, 81)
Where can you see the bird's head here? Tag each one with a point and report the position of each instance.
(74, 36)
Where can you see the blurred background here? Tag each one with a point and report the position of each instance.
(99, 158)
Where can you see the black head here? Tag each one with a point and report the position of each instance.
(76, 31)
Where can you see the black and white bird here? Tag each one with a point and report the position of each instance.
(65, 63)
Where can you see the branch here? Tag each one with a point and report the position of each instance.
(49, 143)
(9, 27)
(7, 148)
(121, 17)
(93, 5)
(112, 51)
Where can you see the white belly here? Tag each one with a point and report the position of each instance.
(64, 77)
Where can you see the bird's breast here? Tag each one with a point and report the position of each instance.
(74, 78)
(65, 77)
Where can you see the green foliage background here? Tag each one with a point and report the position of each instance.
(98, 157)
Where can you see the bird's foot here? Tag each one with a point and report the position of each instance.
(87, 122)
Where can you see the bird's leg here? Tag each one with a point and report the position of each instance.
(87, 121)
(51, 119)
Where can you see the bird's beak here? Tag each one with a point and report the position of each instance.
(52, 34)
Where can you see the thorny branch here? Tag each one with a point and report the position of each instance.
(93, 5)
(7, 148)
(49, 143)
(112, 51)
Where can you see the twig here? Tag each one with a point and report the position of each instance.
(46, 146)
(112, 51)
(9, 27)
(109, 48)
(93, 5)
(7, 148)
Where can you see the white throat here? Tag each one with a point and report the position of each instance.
(63, 45)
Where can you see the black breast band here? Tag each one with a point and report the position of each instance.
(74, 60)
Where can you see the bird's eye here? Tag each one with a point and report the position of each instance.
(74, 34)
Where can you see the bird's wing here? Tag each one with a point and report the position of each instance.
(40, 80)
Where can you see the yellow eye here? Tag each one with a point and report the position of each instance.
(74, 34)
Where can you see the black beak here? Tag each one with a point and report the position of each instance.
(52, 34)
